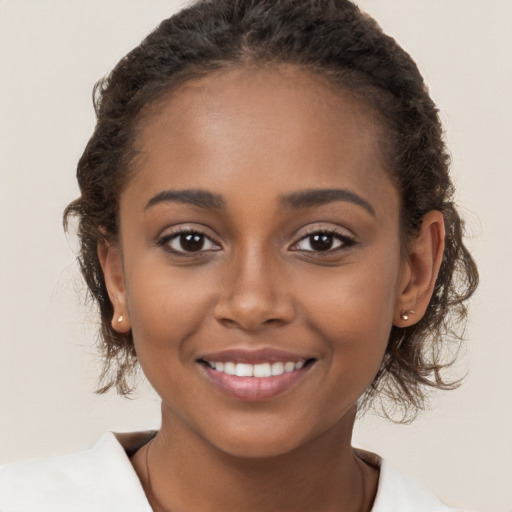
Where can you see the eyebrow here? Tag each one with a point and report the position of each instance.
(318, 197)
(196, 197)
(295, 200)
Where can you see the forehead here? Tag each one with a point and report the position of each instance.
(280, 124)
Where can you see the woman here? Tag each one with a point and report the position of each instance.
(267, 224)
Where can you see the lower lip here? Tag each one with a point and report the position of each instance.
(255, 388)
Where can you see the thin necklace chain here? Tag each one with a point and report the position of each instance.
(164, 509)
(363, 483)
(150, 489)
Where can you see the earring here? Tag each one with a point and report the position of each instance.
(120, 319)
(404, 315)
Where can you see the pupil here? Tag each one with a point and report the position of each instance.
(321, 242)
(192, 242)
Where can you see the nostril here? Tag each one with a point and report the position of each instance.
(273, 321)
(228, 322)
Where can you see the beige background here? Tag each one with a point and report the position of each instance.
(52, 52)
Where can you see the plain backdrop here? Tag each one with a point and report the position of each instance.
(53, 51)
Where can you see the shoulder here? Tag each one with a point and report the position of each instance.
(398, 493)
(100, 479)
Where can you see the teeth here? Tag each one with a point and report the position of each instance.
(289, 367)
(277, 368)
(262, 370)
(229, 368)
(256, 370)
(244, 370)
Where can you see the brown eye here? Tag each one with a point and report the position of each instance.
(188, 242)
(191, 242)
(323, 241)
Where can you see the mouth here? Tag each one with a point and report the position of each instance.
(255, 376)
(260, 370)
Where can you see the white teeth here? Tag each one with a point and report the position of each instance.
(277, 368)
(229, 368)
(262, 370)
(256, 370)
(244, 370)
(289, 367)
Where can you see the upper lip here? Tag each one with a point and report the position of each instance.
(264, 355)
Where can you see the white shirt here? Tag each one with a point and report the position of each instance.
(102, 479)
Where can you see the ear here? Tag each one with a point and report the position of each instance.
(112, 265)
(421, 267)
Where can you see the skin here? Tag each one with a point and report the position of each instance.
(253, 136)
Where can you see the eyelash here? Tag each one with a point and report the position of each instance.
(346, 242)
(165, 241)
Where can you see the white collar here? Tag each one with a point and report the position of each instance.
(102, 479)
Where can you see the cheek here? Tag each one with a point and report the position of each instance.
(167, 306)
(353, 313)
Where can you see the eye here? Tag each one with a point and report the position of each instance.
(323, 241)
(188, 242)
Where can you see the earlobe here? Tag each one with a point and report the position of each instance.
(425, 254)
(112, 265)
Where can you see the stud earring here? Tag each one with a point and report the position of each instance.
(404, 315)
(120, 319)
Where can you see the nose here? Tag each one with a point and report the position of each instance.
(253, 295)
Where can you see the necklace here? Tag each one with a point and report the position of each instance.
(164, 509)
(363, 483)
(150, 489)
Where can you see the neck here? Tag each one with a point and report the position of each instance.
(188, 473)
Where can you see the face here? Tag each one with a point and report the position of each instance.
(260, 238)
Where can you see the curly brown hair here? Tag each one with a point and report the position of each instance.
(329, 37)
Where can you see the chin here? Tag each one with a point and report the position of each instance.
(259, 440)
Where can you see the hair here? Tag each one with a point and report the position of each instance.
(332, 38)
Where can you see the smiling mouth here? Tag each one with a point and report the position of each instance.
(255, 382)
(260, 370)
